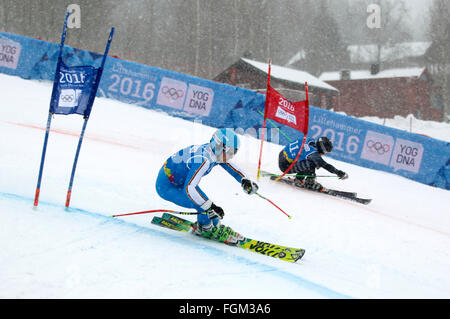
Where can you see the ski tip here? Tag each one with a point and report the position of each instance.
(290, 217)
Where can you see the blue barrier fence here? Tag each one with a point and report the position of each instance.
(355, 141)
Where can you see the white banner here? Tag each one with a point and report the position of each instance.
(377, 147)
(407, 155)
(69, 97)
(171, 93)
(9, 53)
(199, 100)
(282, 114)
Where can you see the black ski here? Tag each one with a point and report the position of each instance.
(332, 192)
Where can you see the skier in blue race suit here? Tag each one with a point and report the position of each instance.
(181, 173)
(309, 160)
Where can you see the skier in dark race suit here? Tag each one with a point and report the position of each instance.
(309, 160)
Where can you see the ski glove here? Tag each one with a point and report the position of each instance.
(214, 212)
(342, 175)
(249, 186)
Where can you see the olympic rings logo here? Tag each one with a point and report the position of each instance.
(378, 147)
(172, 93)
(67, 98)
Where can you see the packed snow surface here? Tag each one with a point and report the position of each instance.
(396, 247)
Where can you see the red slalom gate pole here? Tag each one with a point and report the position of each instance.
(274, 205)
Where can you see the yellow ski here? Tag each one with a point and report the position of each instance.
(285, 253)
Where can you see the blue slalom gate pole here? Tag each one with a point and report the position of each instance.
(49, 120)
(41, 168)
(80, 141)
(86, 118)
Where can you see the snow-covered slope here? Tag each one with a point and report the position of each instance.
(396, 247)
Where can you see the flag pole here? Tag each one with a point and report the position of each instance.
(86, 117)
(50, 114)
(264, 122)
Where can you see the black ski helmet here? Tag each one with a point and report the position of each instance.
(324, 145)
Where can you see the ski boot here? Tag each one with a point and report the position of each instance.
(220, 233)
(308, 182)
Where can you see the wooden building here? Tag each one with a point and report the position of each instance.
(251, 74)
(385, 93)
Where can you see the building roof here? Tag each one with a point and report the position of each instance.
(365, 74)
(291, 75)
(369, 53)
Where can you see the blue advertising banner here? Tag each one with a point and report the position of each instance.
(177, 94)
(355, 141)
(417, 157)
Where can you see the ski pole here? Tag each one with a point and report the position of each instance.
(156, 211)
(279, 130)
(300, 175)
(274, 205)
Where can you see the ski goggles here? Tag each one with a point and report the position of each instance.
(229, 151)
(224, 153)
